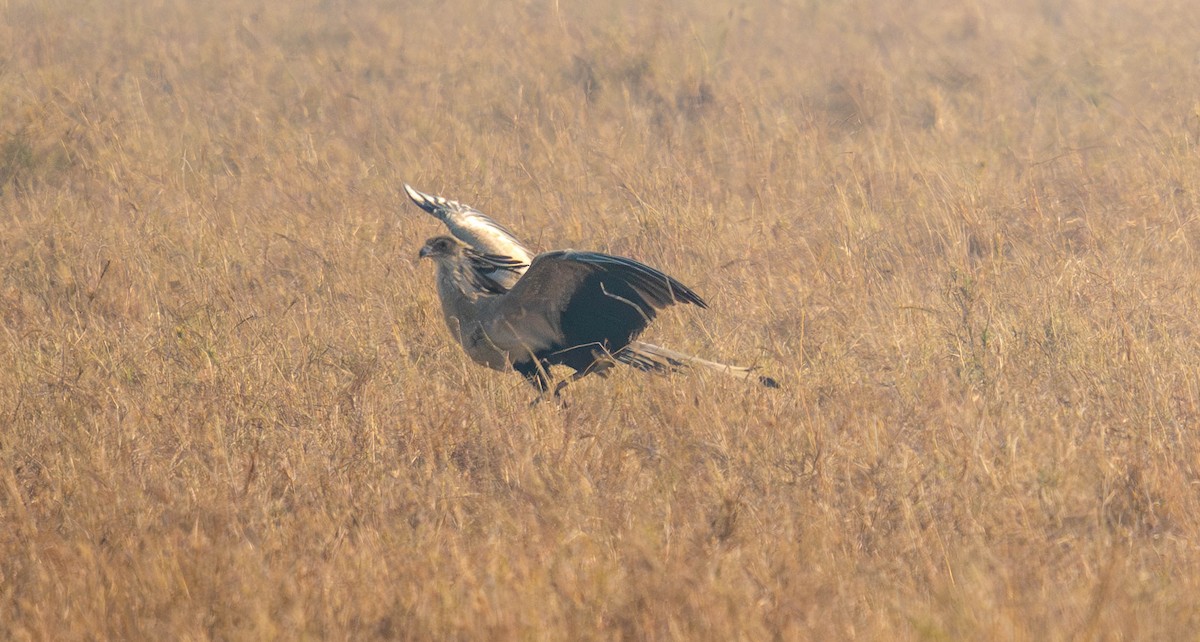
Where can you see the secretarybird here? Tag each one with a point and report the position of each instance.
(511, 309)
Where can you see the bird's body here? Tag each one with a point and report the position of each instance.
(585, 310)
(571, 308)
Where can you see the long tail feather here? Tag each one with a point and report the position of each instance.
(651, 358)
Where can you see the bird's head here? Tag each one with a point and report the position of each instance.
(440, 247)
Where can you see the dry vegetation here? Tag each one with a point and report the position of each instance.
(964, 237)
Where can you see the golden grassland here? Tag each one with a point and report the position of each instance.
(962, 235)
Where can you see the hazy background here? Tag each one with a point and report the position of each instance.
(963, 236)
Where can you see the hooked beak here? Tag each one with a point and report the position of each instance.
(425, 251)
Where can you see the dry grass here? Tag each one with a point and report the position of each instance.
(964, 237)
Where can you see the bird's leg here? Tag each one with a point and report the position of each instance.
(543, 395)
(602, 364)
(540, 379)
(537, 401)
(564, 383)
(579, 374)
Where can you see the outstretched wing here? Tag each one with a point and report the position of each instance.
(484, 235)
(569, 299)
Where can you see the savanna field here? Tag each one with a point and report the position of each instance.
(965, 238)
